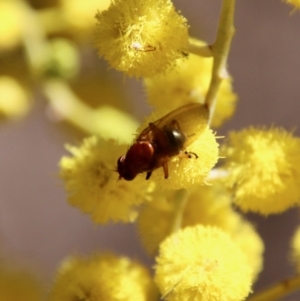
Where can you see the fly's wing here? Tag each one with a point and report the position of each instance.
(192, 119)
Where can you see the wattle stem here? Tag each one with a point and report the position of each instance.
(278, 290)
(220, 51)
(180, 201)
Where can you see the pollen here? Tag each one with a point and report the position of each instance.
(137, 37)
(202, 264)
(263, 169)
(92, 183)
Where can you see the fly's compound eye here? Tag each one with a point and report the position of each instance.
(124, 172)
(121, 161)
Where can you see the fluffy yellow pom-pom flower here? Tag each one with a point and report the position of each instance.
(208, 206)
(92, 184)
(189, 82)
(11, 22)
(263, 169)
(103, 277)
(202, 264)
(14, 99)
(249, 241)
(137, 37)
(185, 172)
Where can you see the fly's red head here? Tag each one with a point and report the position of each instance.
(138, 159)
(123, 170)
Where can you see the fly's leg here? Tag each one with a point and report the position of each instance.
(148, 175)
(166, 170)
(189, 155)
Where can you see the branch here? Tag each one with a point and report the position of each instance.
(278, 290)
(220, 50)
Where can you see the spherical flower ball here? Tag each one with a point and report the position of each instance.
(263, 167)
(201, 144)
(14, 99)
(251, 244)
(206, 205)
(11, 24)
(137, 37)
(92, 183)
(102, 277)
(202, 264)
(189, 82)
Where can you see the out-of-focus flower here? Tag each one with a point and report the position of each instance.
(63, 61)
(207, 206)
(104, 121)
(251, 244)
(11, 24)
(19, 284)
(137, 37)
(263, 169)
(14, 99)
(79, 14)
(189, 82)
(92, 183)
(102, 277)
(202, 263)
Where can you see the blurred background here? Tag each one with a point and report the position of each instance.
(37, 226)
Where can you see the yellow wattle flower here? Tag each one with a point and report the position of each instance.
(14, 99)
(207, 206)
(11, 24)
(202, 264)
(92, 183)
(79, 14)
(189, 82)
(248, 240)
(263, 167)
(102, 277)
(137, 37)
